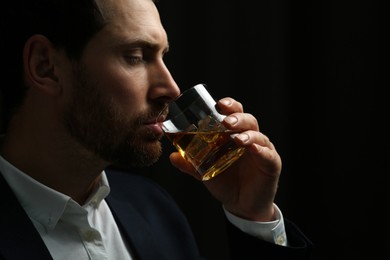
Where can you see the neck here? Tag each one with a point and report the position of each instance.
(54, 160)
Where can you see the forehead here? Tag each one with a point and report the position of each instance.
(132, 20)
(112, 8)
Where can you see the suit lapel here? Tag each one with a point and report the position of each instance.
(136, 230)
(18, 237)
(20, 240)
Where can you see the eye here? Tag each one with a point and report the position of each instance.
(134, 59)
(134, 56)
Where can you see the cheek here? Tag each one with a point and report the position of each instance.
(124, 92)
(126, 87)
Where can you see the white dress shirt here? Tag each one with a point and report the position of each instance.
(89, 232)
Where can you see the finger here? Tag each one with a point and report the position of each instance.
(248, 138)
(229, 105)
(241, 122)
(259, 145)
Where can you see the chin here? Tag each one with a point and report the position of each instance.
(140, 154)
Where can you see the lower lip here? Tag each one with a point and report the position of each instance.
(156, 129)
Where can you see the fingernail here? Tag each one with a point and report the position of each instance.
(225, 102)
(243, 137)
(231, 120)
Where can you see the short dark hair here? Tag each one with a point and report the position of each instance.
(68, 24)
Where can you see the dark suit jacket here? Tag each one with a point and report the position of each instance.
(155, 227)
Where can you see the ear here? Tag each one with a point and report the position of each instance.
(39, 64)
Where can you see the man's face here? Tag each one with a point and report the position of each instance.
(120, 85)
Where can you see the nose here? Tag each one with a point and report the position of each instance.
(165, 87)
(173, 89)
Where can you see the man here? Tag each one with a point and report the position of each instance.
(84, 82)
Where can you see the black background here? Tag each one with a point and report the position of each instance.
(309, 72)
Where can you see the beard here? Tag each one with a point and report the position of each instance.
(95, 121)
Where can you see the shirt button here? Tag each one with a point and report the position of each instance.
(280, 240)
(89, 235)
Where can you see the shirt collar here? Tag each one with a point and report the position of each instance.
(42, 203)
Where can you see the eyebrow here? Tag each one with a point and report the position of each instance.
(145, 44)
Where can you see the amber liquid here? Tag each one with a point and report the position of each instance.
(209, 152)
